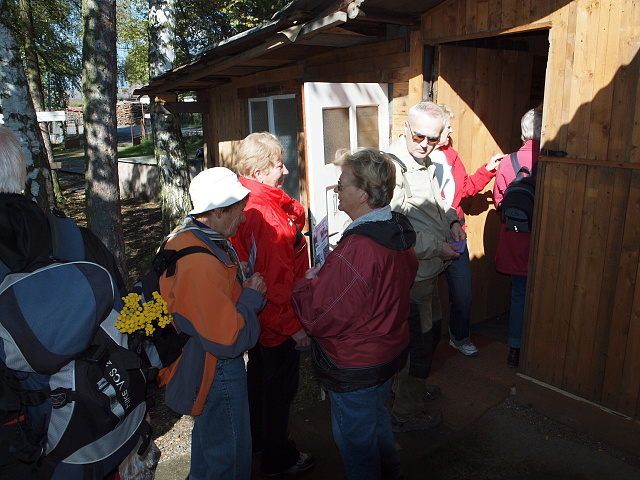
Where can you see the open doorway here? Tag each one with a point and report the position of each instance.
(489, 83)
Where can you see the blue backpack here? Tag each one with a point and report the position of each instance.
(73, 397)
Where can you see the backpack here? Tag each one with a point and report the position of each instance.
(73, 397)
(516, 207)
(164, 345)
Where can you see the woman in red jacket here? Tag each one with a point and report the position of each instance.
(456, 184)
(273, 230)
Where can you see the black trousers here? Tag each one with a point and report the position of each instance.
(273, 376)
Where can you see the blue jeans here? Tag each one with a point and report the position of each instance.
(516, 313)
(221, 436)
(459, 279)
(362, 430)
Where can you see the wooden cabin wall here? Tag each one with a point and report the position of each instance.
(582, 320)
(228, 124)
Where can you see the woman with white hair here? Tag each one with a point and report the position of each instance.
(512, 255)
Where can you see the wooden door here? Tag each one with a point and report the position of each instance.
(339, 116)
(488, 90)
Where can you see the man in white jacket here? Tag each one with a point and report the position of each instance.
(417, 195)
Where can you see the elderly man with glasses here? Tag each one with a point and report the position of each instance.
(417, 195)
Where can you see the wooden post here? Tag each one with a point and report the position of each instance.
(416, 67)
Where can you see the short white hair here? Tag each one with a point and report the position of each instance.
(13, 163)
(428, 109)
(531, 125)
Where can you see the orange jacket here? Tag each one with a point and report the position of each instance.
(209, 304)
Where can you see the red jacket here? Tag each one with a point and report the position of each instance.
(512, 255)
(466, 185)
(276, 221)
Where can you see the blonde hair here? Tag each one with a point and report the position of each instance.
(258, 151)
(13, 163)
(374, 172)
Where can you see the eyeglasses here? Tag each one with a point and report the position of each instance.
(342, 185)
(418, 138)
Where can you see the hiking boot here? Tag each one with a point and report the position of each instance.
(304, 463)
(431, 393)
(468, 349)
(424, 421)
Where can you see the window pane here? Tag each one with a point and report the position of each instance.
(335, 123)
(285, 120)
(259, 116)
(367, 121)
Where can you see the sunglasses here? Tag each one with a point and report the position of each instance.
(418, 138)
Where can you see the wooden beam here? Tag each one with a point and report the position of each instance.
(490, 33)
(621, 431)
(416, 67)
(185, 107)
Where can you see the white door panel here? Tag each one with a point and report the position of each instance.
(340, 116)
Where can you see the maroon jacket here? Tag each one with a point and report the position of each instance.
(512, 255)
(357, 308)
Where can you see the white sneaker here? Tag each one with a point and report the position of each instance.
(468, 349)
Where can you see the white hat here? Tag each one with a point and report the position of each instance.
(215, 188)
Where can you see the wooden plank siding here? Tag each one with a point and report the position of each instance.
(582, 320)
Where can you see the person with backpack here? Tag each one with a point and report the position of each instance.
(512, 254)
(53, 435)
(456, 184)
(216, 305)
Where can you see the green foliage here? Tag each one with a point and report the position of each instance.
(56, 26)
(133, 36)
(201, 23)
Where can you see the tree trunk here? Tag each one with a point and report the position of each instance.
(99, 74)
(20, 115)
(167, 133)
(32, 70)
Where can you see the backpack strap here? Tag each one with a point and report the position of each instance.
(403, 169)
(166, 259)
(66, 237)
(520, 171)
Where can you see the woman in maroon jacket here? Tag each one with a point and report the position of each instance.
(512, 255)
(356, 308)
(274, 223)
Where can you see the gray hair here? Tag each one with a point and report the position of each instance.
(531, 124)
(13, 163)
(374, 172)
(429, 109)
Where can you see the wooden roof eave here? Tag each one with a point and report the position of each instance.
(209, 65)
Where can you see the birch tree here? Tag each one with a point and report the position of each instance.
(20, 115)
(32, 71)
(167, 133)
(99, 77)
